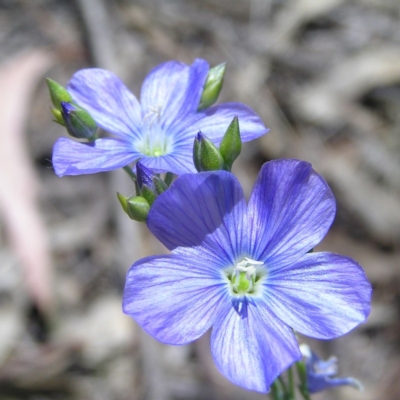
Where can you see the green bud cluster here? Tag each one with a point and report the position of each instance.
(207, 157)
(66, 112)
(148, 187)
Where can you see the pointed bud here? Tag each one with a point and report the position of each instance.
(78, 121)
(206, 156)
(213, 86)
(150, 185)
(136, 207)
(58, 93)
(231, 144)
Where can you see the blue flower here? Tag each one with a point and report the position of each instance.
(321, 375)
(159, 131)
(244, 270)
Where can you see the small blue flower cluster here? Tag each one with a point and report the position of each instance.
(243, 269)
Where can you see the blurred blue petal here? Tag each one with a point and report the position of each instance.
(321, 374)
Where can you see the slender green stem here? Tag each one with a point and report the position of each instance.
(302, 374)
(169, 176)
(291, 390)
(277, 390)
(129, 171)
(283, 384)
(132, 175)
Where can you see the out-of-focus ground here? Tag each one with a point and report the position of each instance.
(325, 77)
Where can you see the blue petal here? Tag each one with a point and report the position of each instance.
(172, 90)
(75, 158)
(190, 99)
(174, 298)
(291, 209)
(214, 122)
(206, 209)
(322, 295)
(108, 100)
(252, 351)
(319, 383)
(179, 162)
(321, 373)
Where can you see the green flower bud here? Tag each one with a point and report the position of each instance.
(231, 144)
(213, 86)
(136, 207)
(78, 122)
(206, 156)
(58, 93)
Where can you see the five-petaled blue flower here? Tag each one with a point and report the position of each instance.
(244, 270)
(159, 131)
(322, 375)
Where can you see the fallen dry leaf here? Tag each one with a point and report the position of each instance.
(18, 182)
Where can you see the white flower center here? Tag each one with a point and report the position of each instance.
(245, 276)
(154, 141)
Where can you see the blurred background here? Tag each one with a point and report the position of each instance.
(325, 77)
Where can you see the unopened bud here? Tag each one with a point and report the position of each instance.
(78, 121)
(206, 156)
(150, 184)
(231, 144)
(213, 86)
(58, 93)
(136, 207)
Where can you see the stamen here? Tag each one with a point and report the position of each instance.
(153, 115)
(154, 141)
(244, 275)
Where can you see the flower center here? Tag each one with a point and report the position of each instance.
(154, 141)
(245, 276)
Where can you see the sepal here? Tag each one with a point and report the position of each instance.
(136, 207)
(57, 116)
